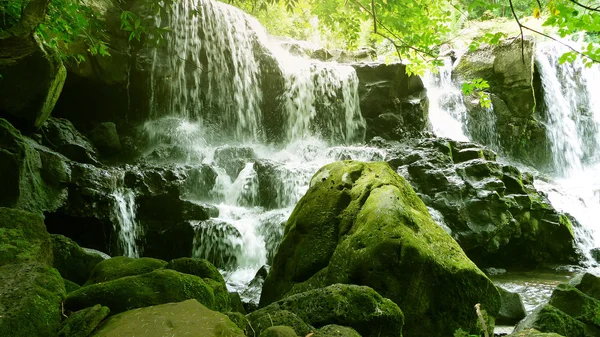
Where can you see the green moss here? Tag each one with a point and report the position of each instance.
(240, 320)
(278, 331)
(72, 261)
(157, 287)
(121, 266)
(265, 318)
(199, 267)
(70, 286)
(82, 323)
(532, 333)
(550, 319)
(23, 237)
(333, 330)
(576, 304)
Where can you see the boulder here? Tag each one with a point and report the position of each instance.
(218, 242)
(121, 266)
(24, 238)
(31, 295)
(61, 136)
(512, 309)
(547, 318)
(334, 330)
(533, 333)
(83, 322)
(260, 321)
(157, 287)
(588, 283)
(199, 267)
(491, 209)
(188, 318)
(278, 331)
(106, 139)
(33, 177)
(31, 86)
(71, 261)
(394, 104)
(576, 304)
(361, 223)
(233, 159)
(240, 320)
(355, 306)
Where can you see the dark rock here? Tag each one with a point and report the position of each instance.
(576, 304)
(346, 230)
(218, 242)
(168, 240)
(106, 139)
(547, 318)
(334, 330)
(199, 267)
(171, 208)
(512, 309)
(589, 284)
(278, 331)
(595, 252)
(358, 307)
(82, 323)
(233, 159)
(253, 290)
(267, 318)
(31, 294)
(71, 261)
(533, 333)
(70, 286)
(121, 266)
(31, 86)
(236, 303)
(188, 318)
(24, 238)
(61, 136)
(394, 104)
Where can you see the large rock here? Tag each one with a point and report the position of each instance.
(61, 136)
(588, 283)
(334, 330)
(121, 266)
(361, 223)
(514, 85)
(23, 238)
(82, 323)
(512, 309)
(576, 304)
(533, 333)
(393, 103)
(188, 318)
(73, 262)
(355, 306)
(30, 295)
(547, 318)
(491, 209)
(31, 86)
(33, 177)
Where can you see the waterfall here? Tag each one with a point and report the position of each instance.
(128, 230)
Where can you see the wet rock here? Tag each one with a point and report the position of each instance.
(121, 266)
(24, 238)
(252, 293)
(347, 230)
(31, 294)
(60, 135)
(595, 252)
(512, 309)
(394, 104)
(533, 333)
(71, 261)
(188, 318)
(82, 323)
(233, 159)
(219, 242)
(167, 240)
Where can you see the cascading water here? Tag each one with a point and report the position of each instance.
(213, 112)
(128, 231)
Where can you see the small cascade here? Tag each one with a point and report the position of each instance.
(129, 231)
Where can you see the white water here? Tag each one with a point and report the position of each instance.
(129, 230)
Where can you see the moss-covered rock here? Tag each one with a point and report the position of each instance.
(355, 306)
(129, 292)
(199, 267)
(236, 303)
(30, 295)
(240, 320)
(121, 266)
(533, 333)
(273, 316)
(333, 330)
(23, 237)
(361, 223)
(588, 283)
(512, 309)
(83, 322)
(576, 304)
(278, 331)
(188, 318)
(70, 286)
(71, 261)
(547, 318)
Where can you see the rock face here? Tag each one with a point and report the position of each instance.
(188, 318)
(491, 209)
(24, 238)
(361, 223)
(515, 88)
(31, 86)
(394, 104)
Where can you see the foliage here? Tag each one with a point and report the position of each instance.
(462, 333)
(476, 87)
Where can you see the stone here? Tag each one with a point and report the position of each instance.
(236, 302)
(240, 320)
(61, 136)
(533, 333)
(588, 283)
(576, 304)
(361, 223)
(262, 320)
(23, 238)
(218, 242)
(31, 86)
(83, 322)
(157, 287)
(355, 306)
(31, 294)
(71, 261)
(278, 331)
(70, 286)
(547, 318)
(595, 252)
(122, 266)
(106, 139)
(187, 318)
(333, 330)
(512, 309)
(233, 159)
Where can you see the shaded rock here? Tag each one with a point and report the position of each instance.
(188, 318)
(240, 320)
(31, 294)
(547, 318)
(71, 261)
(168, 240)
(576, 304)
(31, 86)
(334, 330)
(157, 287)
(23, 238)
(252, 292)
(70, 286)
(355, 306)
(278, 331)
(60, 135)
(82, 323)
(588, 283)
(595, 252)
(236, 302)
(264, 319)
(363, 224)
(121, 266)
(512, 309)
(106, 139)
(394, 104)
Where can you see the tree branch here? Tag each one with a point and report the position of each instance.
(512, 8)
(597, 9)
(564, 44)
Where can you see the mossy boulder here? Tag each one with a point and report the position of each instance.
(547, 318)
(82, 323)
(588, 283)
(361, 223)
(157, 287)
(23, 237)
(30, 295)
(188, 318)
(240, 320)
(73, 262)
(199, 267)
(512, 309)
(334, 330)
(122, 266)
(576, 304)
(533, 333)
(273, 316)
(278, 331)
(359, 307)
(70, 286)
